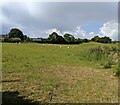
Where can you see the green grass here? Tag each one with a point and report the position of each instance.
(50, 73)
(37, 55)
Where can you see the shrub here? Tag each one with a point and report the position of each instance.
(95, 53)
(105, 55)
(13, 40)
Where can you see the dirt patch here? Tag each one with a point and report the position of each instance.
(61, 83)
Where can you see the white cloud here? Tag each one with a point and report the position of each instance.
(63, 16)
(40, 19)
(109, 29)
(53, 30)
(79, 32)
(34, 25)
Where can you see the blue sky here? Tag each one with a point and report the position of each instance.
(92, 27)
(82, 19)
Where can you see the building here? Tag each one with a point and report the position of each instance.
(40, 40)
(3, 36)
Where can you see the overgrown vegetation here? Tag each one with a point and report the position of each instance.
(107, 56)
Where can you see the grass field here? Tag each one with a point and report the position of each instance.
(49, 73)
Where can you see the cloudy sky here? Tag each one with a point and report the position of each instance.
(82, 19)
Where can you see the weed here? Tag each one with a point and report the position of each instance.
(107, 65)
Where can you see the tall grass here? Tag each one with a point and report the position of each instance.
(106, 56)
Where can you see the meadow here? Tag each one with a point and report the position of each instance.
(54, 73)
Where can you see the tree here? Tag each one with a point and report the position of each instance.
(85, 40)
(55, 38)
(16, 33)
(78, 41)
(69, 38)
(26, 39)
(96, 38)
(105, 40)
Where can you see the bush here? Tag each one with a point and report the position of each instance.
(12, 40)
(106, 56)
(95, 53)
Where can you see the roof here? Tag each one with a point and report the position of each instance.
(3, 36)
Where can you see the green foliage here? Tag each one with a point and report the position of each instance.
(78, 40)
(95, 53)
(107, 65)
(57, 70)
(55, 38)
(16, 33)
(27, 39)
(12, 40)
(69, 38)
(85, 40)
(117, 71)
(96, 39)
(104, 55)
(104, 39)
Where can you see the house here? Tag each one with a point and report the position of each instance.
(3, 36)
(40, 40)
(37, 39)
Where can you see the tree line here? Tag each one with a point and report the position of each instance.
(16, 35)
